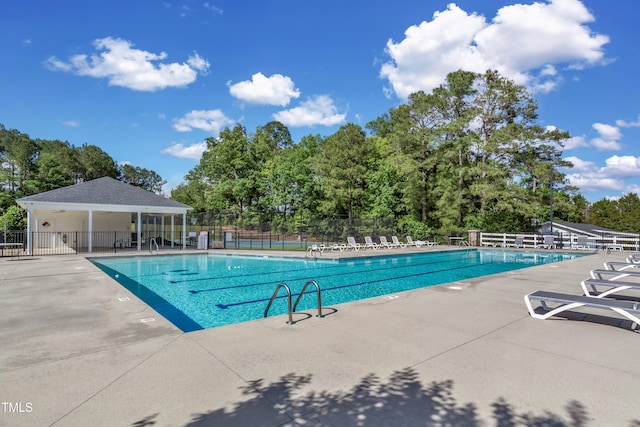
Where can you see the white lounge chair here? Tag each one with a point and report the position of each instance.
(601, 274)
(590, 287)
(564, 302)
(352, 244)
(397, 243)
(368, 243)
(518, 242)
(610, 279)
(385, 243)
(315, 248)
(620, 266)
(548, 242)
(417, 243)
(633, 258)
(582, 242)
(337, 247)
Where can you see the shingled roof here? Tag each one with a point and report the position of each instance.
(585, 229)
(102, 191)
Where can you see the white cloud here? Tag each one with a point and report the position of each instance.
(575, 142)
(216, 10)
(191, 152)
(626, 124)
(633, 188)
(588, 183)
(212, 121)
(548, 70)
(608, 139)
(318, 110)
(274, 90)
(523, 42)
(580, 165)
(71, 123)
(124, 66)
(622, 167)
(589, 177)
(54, 63)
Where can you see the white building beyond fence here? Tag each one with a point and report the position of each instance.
(573, 241)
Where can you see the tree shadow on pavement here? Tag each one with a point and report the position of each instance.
(400, 400)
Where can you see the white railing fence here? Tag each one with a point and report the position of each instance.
(563, 241)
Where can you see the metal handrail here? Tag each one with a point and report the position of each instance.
(273, 297)
(304, 288)
(153, 240)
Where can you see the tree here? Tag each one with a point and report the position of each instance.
(227, 166)
(383, 197)
(268, 143)
(291, 179)
(13, 219)
(414, 141)
(94, 163)
(620, 215)
(141, 177)
(341, 166)
(193, 191)
(18, 153)
(55, 166)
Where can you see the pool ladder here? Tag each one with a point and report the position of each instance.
(151, 242)
(292, 308)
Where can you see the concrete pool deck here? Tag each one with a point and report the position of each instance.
(74, 351)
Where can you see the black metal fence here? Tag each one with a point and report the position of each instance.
(207, 230)
(225, 230)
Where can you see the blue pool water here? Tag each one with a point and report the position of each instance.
(203, 291)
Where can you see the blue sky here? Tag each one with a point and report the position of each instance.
(148, 80)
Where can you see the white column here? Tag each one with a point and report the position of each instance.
(162, 229)
(90, 230)
(139, 231)
(29, 232)
(184, 231)
(172, 231)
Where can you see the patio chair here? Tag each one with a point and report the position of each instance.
(601, 274)
(620, 265)
(314, 249)
(564, 302)
(368, 243)
(397, 243)
(610, 279)
(548, 242)
(385, 243)
(352, 244)
(590, 287)
(582, 242)
(337, 247)
(518, 242)
(417, 243)
(633, 258)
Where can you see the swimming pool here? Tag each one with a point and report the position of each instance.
(203, 291)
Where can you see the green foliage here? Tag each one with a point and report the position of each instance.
(29, 166)
(418, 230)
(340, 168)
(141, 177)
(13, 219)
(94, 163)
(619, 215)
